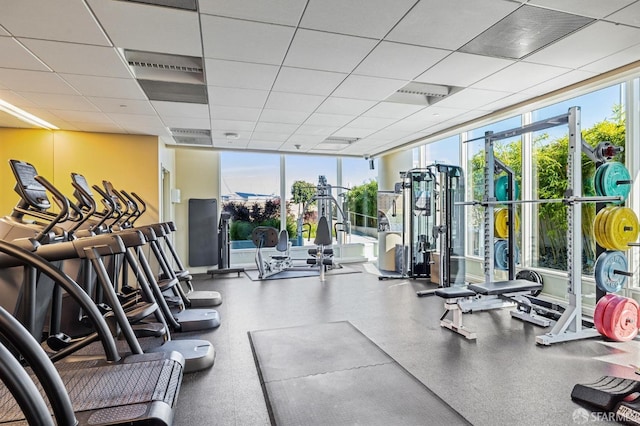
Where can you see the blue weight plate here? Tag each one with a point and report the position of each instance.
(500, 189)
(610, 177)
(604, 272)
(501, 255)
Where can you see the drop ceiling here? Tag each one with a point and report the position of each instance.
(312, 76)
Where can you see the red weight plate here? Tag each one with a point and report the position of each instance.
(621, 320)
(598, 315)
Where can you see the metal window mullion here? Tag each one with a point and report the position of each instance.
(529, 224)
(632, 161)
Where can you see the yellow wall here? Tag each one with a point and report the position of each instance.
(197, 177)
(130, 162)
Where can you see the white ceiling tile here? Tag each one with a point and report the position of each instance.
(590, 8)
(616, 60)
(319, 119)
(219, 112)
(305, 139)
(559, 82)
(372, 122)
(286, 101)
(353, 132)
(34, 81)
(129, 106)
(334, 105)
(401, 61)
(327, 51)
(407, 125)
(59, 101)
(237, 97)
(243, 136)
(270, 137)
(149, 28)
(462, 69)
(392, 110)
(242, 75)
(232, 126)
(97, 127)
(366, 18)
(275, 127)
(84, 117)
(513, 99)
(136, 121)
(587, 45)
(264, 145)
(312, 82)
(72, 58)
(3, 32)
(519, 76)
(17, 100)
(223, 143)
(436, 113)
(15, 55)
(450, 24)
(368, 88)
(125, 88)
(233, 39)
(180, 109)
(285, 12)
(472, 98)
(630, 15)
(284, 116)
(183, 122)
(61, 20)
(308, 129)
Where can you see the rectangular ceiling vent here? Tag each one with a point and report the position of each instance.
(525, 31)
(165, 67)
(174, 92)
(416, 93)
(192, 137)
(340, 140)
(174, 4)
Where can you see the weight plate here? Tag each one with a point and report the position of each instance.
(501, 222)
(621, 319)
(598, 314)
(622, 228)
(596, 179)
(609, 178)
(501, 255)
(500, 188)
(604, 272)
(600, 225)
(529, 275)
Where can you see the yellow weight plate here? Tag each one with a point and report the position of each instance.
(622, 227)
(600, 228)
(501, 222)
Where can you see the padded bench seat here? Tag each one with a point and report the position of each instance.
(454, 292)
(505, 287)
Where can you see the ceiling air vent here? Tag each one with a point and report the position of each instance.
(340, 140)
(524, 31)
(192, 137)
(164, 67)
(174, 92)
(334, 143)
(174, 4)
(416, 93)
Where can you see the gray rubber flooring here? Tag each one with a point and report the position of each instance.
(503, 378)
(331, 373)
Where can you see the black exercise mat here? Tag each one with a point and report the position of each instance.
(300, 272)
(332, 374)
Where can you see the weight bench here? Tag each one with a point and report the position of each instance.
(612, 394)
(488, 296)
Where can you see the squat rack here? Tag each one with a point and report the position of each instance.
(570, 325)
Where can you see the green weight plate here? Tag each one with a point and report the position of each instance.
(598, 314)
(609, 178)
(597, 178)
(622, 228)
(604, 272)
(500, 188)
